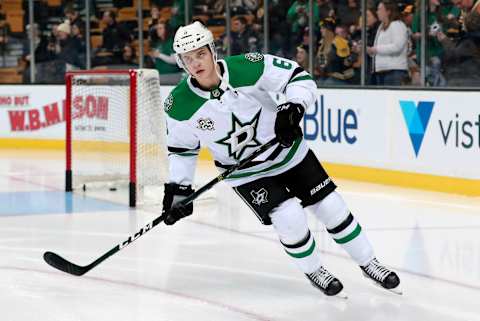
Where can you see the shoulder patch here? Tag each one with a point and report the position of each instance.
(182, 103)
(167, 105)
(254, 56)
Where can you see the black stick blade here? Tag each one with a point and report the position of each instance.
(61, 264)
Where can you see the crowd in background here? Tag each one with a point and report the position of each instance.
(393, 37)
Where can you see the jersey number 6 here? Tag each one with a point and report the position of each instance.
(282, 64)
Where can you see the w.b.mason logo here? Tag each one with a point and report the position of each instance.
(259, 197)
(241, 137)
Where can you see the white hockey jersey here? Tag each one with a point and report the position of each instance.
(234, 123)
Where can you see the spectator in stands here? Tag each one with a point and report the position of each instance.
(161, 43)
(41, 51)
(64, 55)
(154, 16)
(470, 9)
(390, 49)
(40, 45)
(436, 16)
(462, 58)
(68, 49)
(348, 14)
(53, 40)
(114, 38)
(129, 58)
(177, 18)
(342, 31)
(333, 61)
(302, 56)
(73, 16)
(115, 35)
(244, 39)
(78, 39)
(297, 17)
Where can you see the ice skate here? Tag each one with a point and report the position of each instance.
(382, 276)
(326, 282)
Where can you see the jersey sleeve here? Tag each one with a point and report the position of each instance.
(286, 76)
(183, 148)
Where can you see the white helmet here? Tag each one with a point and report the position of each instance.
(191, 37)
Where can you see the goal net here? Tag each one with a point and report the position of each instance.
(115, 134)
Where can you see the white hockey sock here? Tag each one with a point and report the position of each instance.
(290, 224)
(343, 227)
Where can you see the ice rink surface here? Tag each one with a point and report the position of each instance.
(220, 263)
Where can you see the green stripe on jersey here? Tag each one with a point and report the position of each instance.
(287, 158)
(350, 236)
(306, 77)
(247, 71)
(303, 254)
(184, 154)
(182, 103)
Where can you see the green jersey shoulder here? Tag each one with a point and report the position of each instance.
(245, 70)
(182, 102)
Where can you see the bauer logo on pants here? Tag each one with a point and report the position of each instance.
(320, 186)
(260, 196)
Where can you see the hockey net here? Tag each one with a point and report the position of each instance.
(115, 137)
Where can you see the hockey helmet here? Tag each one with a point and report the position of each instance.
(192, 37)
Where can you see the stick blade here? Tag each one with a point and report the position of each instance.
(61, 264)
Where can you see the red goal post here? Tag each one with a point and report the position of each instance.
(115, 132)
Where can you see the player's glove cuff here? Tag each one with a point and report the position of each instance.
(287, 128)
(173, 194)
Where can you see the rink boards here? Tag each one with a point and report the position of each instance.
(412, 138)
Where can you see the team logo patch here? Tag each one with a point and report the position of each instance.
(242, 136)
(259, 197)
(254, 56)
(167, 105)
(206, 124)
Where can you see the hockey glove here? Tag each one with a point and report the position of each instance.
(287, 124)
(173, 194)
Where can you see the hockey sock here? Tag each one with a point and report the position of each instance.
(290, 224)
(343, 227)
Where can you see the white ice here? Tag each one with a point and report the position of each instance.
(221, 264)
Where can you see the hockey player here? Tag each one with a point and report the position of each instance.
(225, 105)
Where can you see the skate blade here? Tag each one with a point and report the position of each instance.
(396, 290)
(341, 295)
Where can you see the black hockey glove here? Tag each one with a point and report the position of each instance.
(287, 124)
(173, 194)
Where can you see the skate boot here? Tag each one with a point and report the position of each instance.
(325, 282)
(382, 276)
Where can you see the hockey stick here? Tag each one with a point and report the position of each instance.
(62, 264)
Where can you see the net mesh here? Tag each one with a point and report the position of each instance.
(101, 134)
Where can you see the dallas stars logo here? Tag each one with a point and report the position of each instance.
(241, 137)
